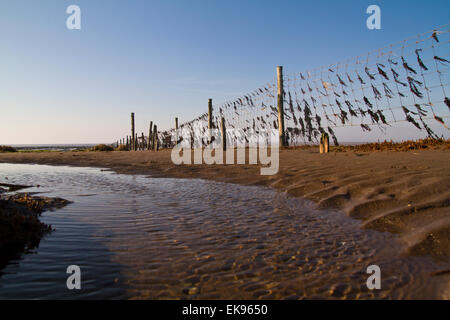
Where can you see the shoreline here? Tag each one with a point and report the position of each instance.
(406, 193)
(21, 229)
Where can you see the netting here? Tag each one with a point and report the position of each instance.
(404, 82)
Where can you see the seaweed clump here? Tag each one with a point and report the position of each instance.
(20, 227)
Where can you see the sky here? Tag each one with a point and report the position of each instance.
(163, 59)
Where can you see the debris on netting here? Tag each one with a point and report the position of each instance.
(440, 120)
(381, 71)
(387, 91)
(441, 60)
(343, 116)
(407, 67)
(420, 111)
(434, 35)
(410, 119)
(336, 143)
(371, 76)
(412, 86)
(373, 116)
(367, 102)
(318, 120)
(349, 79)
(350, 109)
(355, 93)
(302, 127)
(382, 117)
(376, 93)
(341, 81)
(419, 60)
(396, 78)
(365, 127)
(360, 79)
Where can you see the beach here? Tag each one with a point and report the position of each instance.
(401, 192)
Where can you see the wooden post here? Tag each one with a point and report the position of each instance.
(135, 142)
(224, 134)
(132, 142)
(210, 125)
(210, 114)
(324, 143)
(128, 145)
(280, 99)
(176, 131)
(142, 142)
(149, 146)
(155, 138)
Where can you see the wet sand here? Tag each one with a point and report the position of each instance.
(399, 192)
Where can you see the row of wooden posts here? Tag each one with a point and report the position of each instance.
(134, 142)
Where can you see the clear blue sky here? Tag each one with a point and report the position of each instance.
(165, 58)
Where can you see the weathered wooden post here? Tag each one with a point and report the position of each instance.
(324, 143)
(149, 146)
(210, 124)
(132, 142)
(135, 142)
(143, 141)
(224, 134)
(280, 100)
(210, 114)
(155, 138)
(128, 145)
(176, 131)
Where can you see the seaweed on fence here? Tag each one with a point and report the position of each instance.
(360, 93)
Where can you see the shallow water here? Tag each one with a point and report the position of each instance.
(141, 237)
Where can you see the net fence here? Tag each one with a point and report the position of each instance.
(406, 82)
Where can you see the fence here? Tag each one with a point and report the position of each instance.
(404, 82)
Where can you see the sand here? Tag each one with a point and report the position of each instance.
(407, 193)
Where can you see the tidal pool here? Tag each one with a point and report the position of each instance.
(138, 237)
